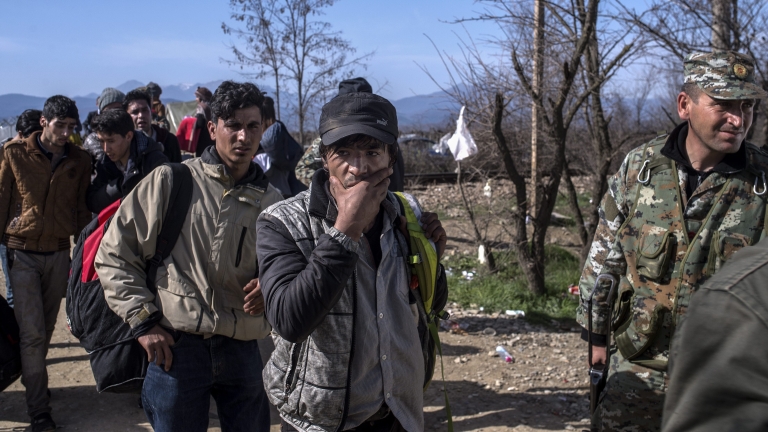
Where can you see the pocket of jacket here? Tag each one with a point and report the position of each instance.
(654, 252)
(722, 247)
(636, 334)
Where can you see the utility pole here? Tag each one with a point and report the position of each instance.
(538, 77)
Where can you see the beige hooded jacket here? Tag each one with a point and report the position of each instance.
(200, 285)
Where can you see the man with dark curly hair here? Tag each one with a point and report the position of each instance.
(200, 330)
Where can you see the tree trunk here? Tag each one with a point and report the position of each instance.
(277, 93)
(538, 73)
(523, 251)
(721, 24)
(302, 113)
(601, 142)
(573, 200)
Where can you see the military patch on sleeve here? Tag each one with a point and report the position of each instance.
(610, 208)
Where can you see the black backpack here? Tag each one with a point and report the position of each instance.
(10, 354)
(118, 361)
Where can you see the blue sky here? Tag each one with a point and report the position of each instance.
(76, 47)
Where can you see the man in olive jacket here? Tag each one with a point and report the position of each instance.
(200, 329)
(718, 369)
(43, 182)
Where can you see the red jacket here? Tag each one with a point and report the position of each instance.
(187, 142)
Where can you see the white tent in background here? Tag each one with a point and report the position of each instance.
(176, 111)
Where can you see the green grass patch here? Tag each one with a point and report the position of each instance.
(563, 204)
(508, 288)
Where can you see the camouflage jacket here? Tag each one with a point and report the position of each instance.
(661, 245)
(309, 163)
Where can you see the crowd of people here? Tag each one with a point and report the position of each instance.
(314, 248)
(322, 267)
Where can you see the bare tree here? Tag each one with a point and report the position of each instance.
(536, 85)
(600, 63)
(680, 27)
(263, 39)
(285, 38)
(491, 93)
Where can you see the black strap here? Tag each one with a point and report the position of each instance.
(178, 207)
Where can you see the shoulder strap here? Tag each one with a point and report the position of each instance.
(422, 257)
(178, 207)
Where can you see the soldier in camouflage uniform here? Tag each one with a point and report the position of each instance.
(679, 207)
(309, 163)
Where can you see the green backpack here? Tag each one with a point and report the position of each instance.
(424, 266)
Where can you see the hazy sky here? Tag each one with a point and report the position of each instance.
(76, 47)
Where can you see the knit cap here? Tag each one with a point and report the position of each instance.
(109, 96)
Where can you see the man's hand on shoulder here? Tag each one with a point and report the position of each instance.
(254, 299)
(358, 205)
(434, 231)
(157, 343)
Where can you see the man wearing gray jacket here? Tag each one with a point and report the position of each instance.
(200, 329)
(351, 345)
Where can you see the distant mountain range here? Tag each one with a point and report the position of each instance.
(414, 111)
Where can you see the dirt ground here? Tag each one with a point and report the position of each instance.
(545, 387)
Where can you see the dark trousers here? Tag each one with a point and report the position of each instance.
(39, 282)
(222, 367)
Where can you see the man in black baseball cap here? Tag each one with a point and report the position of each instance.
(370, 115)
(333, 272)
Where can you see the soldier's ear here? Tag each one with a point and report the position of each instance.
(684, 103)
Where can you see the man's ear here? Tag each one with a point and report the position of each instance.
(684, 103)
(43, 121)
(212, 130)
(129, 135)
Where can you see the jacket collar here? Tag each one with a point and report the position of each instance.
(34, 146)
(140, 146)
(254, 177)
(323, 205)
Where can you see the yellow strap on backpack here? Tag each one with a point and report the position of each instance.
(423, 258)
(424, 262)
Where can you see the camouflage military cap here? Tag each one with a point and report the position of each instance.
(723, 75)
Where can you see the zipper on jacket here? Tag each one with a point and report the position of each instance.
(235, 330)
(240, 247)
(351, 353)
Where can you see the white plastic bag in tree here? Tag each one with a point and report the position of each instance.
(462, 144)
(442, 146)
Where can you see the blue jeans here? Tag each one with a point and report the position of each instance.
(222, 367)
(4, 258)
